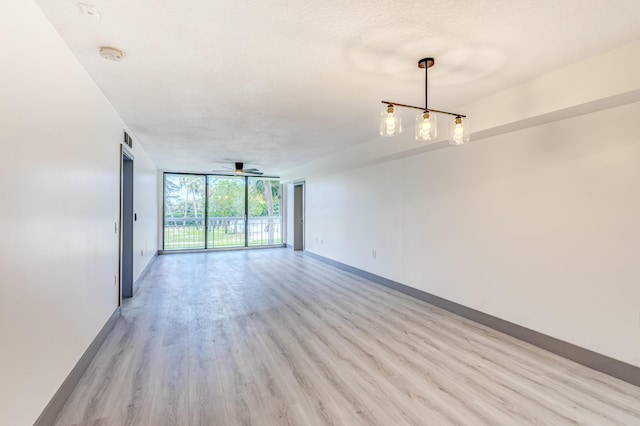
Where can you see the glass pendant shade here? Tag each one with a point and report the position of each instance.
(426, 128)
(390, 121)
(458, 131)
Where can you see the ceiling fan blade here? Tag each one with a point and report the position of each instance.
(234, 173)
(252, 171)
(231, 173)
(237, 171)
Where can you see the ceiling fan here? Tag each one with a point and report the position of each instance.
(238, 171)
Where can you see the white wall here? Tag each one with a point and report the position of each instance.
(145, 201)
(60, 201)
(539, 226)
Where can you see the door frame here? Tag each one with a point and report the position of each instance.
(298, 195)
(125, 156)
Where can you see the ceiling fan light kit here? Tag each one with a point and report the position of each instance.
(426, 128)
(239, 168)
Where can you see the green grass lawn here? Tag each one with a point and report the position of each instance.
(191, 237)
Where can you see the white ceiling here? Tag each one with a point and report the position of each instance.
(276, 83)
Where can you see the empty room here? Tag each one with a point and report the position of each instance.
(320, 213)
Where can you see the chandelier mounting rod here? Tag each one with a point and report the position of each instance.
(425, 63)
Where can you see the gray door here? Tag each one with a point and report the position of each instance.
(126, 231)
(298, 217)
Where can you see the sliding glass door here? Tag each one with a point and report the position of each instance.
(264, 224)
(226, 212)
(212, 212)
(184, 211)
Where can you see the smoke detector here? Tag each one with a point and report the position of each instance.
(111, 53)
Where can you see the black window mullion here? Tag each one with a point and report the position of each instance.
(246, 211)
(206, 212)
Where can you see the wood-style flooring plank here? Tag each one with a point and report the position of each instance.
(274, 337)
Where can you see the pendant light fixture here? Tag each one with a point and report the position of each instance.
(390, 121)
(426, 128)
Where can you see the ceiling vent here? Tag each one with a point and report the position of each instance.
(128, 140)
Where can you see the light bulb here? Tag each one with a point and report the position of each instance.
(390, 122)
(458, 133)
(426, 129)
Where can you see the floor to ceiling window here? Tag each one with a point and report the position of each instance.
(210, 212)
(264, 223)
(225, 212)
(184, 211)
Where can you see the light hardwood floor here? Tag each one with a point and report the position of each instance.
(274, 337)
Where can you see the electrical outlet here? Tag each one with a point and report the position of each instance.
(141, 252)
(374, 254)
(115, 280)
(322, 241)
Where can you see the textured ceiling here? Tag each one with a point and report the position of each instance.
(276, 83)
